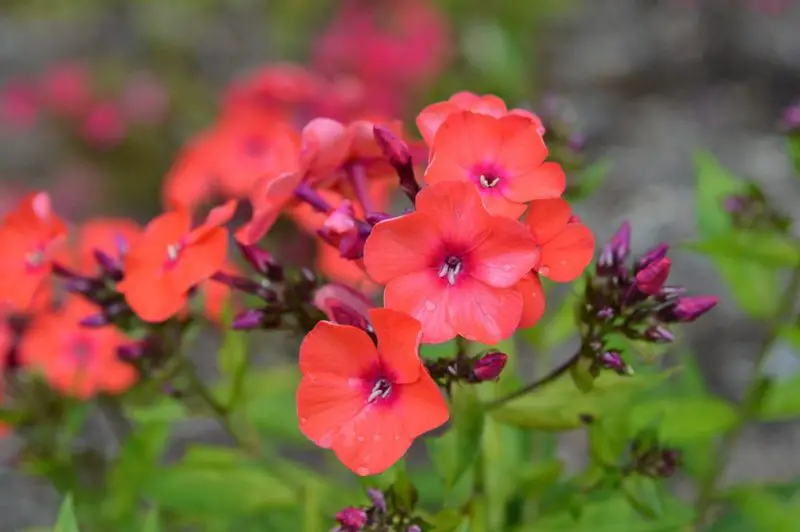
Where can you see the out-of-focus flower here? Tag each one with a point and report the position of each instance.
(19, 104)
(66, 90)
(351, 519)
(104, 125)
(77, 361)
(144, 99)
(365, 402)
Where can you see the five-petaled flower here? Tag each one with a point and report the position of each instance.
(170, 258)
(365, 402)
(453, 265)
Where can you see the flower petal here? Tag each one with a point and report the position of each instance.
(457, 210)
(566, 256)
(547, 218)
(337, 350)
(402, 245)
(483, 313)
(422, 406)
(398, 343)
(373, 441)
(509, 253)
(326, 402)
(542, 182)
(201, 259)
(468, 139)
(423, 296)
(431, 118)
(498, 205)
(533, 300)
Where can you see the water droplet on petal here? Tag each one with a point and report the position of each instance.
(430, 305)
(544, 270)
(396, 437)
(363, 471)
(376, 437)
(359, 438)
(303, 420)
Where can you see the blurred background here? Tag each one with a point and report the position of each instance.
(98, 96)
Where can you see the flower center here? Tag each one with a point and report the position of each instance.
(450, 268)
(81, 351)
(381, 390)
(173, 253)
(35, 259)
(488, 181)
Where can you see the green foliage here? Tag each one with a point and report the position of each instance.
(66, 521)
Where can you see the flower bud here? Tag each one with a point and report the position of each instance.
(659, 334)
(689, 309)
(374, 217)
(606, 313)
(489, 366)
(378, 499)
(343, 305)
(262, 262)
(616, 250)
(414, 528)
(613, 360)
(394, 148)
(245, 285)
(790, 121)
(652, 277)
(95, 320)
(658, 252)
(351, 519)
(131, 351)
(110, 266)
(256, 319)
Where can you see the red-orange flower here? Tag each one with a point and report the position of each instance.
(109, 235)
(452, 265)
(367, 403)
(503, 157)
(567, 247)
(77, 361)
(29, 237)
(170, 258)
(434, 115)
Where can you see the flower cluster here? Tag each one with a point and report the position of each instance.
(383, 514)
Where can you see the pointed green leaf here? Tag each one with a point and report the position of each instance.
(767, 249)
(765, 512)
(684, 419)
(66, 521)
(714, 184)
(642, 493)
(468, 420)
(152, 522)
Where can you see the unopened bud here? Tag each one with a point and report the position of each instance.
(262, 262)
(659, 334)
(245, 285)
(132, 351)
(657, 253)
(256, 319)
(616, 250)
(378, 499)
(689, 309)
(394, 148)
(95, 320)
(351, 519)
(489, 366)
(652, 277)
(110, 266)
(343, 305)
(375, 217)
(414, 528)
(613, 360)
(606, 313)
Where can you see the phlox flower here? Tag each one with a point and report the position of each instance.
(30, 235)
(566, 249)
(504, 158)
(365, 402)
(170, 258)
(452, 265)
(433, 116)
(77, 361)
(111, 236)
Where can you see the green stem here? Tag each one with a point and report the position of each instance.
(535, 385)
(749, 404)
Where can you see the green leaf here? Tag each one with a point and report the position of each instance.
(152, 522)
(684, 419)
(218, 484)
(468, 421)
(766, 512)
(449, 520)
(536, 478)
(767, 249)
(559, 405)
(593, 177)
(781, 401)
(163, 409)
(266, 395)
(312, 514)
(793, 147)
(642, 494)
(233, 352)
(560, 325)
(753, 286)
(581, 374)
(714, 184)
(66, 521)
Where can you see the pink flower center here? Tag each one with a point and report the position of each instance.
(488, 181)
(487, 176)
(381, 390)
(173, 254)
(451, 268)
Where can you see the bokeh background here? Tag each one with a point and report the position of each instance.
(98, 96)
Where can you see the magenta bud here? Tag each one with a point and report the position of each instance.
(132, 351)
(616, 250)
(375, 217)
(110, 266)
(613, 360)
(262, 262)
(59, 270)
(577, 140)
(652, 277)
(236, 282)
(657, 253)
(791, 118)
(659, 334)
(394, 148)
(343, 305)
(606, 313)
(352, 519)
(378, 499)
(489, 366)
(248, 319)
(80, 285)
(689, 309)
(95, 320)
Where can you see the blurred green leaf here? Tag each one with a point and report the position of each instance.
(559, 326)
(793, 147)
(152, 522)
(781, 401)
(162, 410)
(66, 521)
(684, 419)
(592, 178)
(582, 375)
(609, 437)
(468, 421)
(443, 350)
(233, 352)
(642, 494)
(765, 512)
(767, 249)
(448, 520)
(536, 478)
(560, 405)
(265, 398)
(312, 513)
(752, 285)
(218, 483)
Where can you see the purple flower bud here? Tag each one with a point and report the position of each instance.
(343, 305)
(652, 277)
(577, 140)
(131, 351)
(262, 262)
(248, 319)
(95, 320)
(80, 285)
(245, 285)
(378, 499)
(375, 217)
(414, 528)
(689, 309)
(657, 253)
(489, 366)
(791, 118)
(62, 271)
(616, 250)
(606, 313)
(659, 334)
(352, 519)
(613, 360)
(394, 148)
(736, 204)
(669, 461)
(110, 266)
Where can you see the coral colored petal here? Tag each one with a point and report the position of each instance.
(498, 205)
(457, 211)
(483, 313)
(509, 253)
(401, 245)
(326, 402)
(260, 223)
(487, 104)
(201, 259)
(445, 168)
(423, 296)
(324, 146)
(350, 272)
(533, 300)
(523, 148)
(469, 139)
(398, 343)
(373, 441)
(118, 378)
(422, 408)
(542, 182)
(430, 118)
(566, 256)
(338, 350)
(547, 218)
(154, 300)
